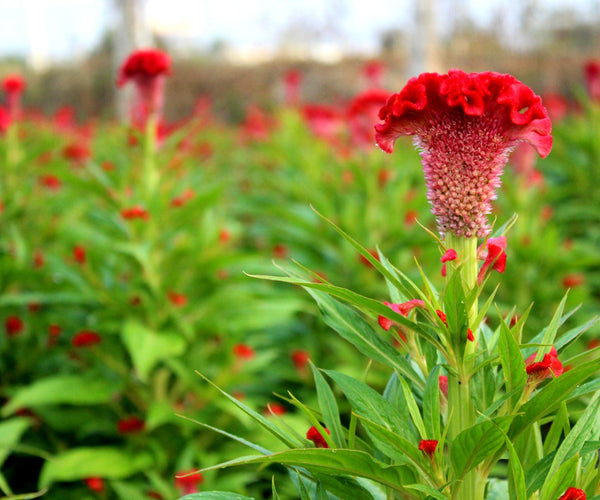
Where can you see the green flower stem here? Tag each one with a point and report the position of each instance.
(460, 404)
(150, 171)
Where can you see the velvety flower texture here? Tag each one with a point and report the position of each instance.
(464, 124)
(428, 446)
(316, 437)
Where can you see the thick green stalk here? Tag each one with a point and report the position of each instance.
(460, 404)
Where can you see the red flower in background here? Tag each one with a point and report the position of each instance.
(573, 280)
(557, 106)
(464, 125)
(147, 68)
(50, 181)
(85, 338)
(13, 86)
(573, 494)
(177, 299)
(130, 425)
(95, 484)
(243, 351)
(13, 325)
(77, 152)
(136, 212)
(292, 80)
(592, 79)
(4, 120)
(548, 367)
(324, 121)
(373, 72)
(362, 113)
(79, 254)
(188, 481)
(300, 358)
(257, 125)
(316, 437)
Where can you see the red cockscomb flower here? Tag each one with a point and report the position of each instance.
(402, 309)
(443, 381)
(85, 338)
(188, 481)
(464, 124)
(591, 71)
(494, 255)
(316, 437)
(13, 325)
(548, 367)
(130, 425)
(136, 212)
(324, 121)
(275, 409)
(95, 484)
(573, 494)
(147, 68)
(428, 446)
(13, 86)
(292, 80)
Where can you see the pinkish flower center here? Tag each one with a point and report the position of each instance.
(463, 159)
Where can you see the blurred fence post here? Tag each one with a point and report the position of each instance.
(132, 32)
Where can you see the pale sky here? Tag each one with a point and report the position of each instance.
(68, 28)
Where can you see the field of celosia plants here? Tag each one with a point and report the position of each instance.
(183, 304)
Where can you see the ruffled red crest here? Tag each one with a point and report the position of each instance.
(495, 97)
(144, 63)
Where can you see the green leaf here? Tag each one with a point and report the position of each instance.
(427, 490)
(550, 397)
(513, 365)
(329, 408)
(475, 444)
(431, 404)
(10, 434)
(456, 311)
(368, 403)
(351, 326)
(80, 463)
(147, 347)
(554, 486)
(587, 428)
(328, 461)
(413, 408)
(216, 495)
(62, 389)
(285, 438)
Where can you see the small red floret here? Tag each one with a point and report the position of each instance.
(130, 425)
(573, 494)
(428, 446)
(144, 63)
(316, 437)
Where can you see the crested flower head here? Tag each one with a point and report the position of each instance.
(573, 494)
(316, 437)
(13, 86)
(550, 366)
(147, 68)
(465, 124)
